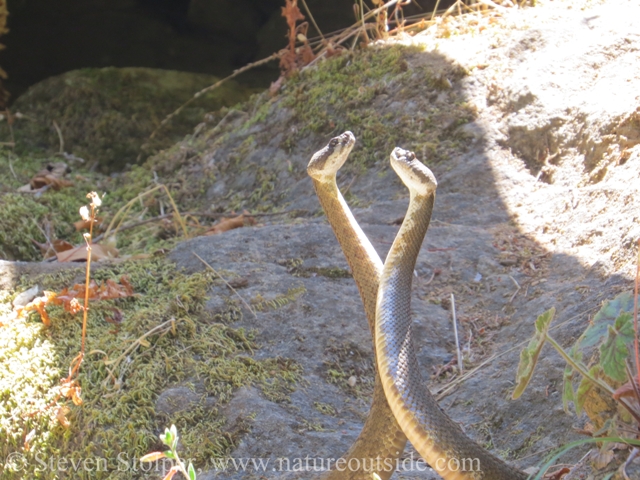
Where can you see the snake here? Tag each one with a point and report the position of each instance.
(366, 267)
(403, 408)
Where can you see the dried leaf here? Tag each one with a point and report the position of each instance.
(226, 224)
(79, 254)
(585, 387)
(61, 415)
(558, 474)
(38, 304)
(106, 291)
(25, 297)
(152, 457)
(74, 306)
(625, 391)
(603, 457)
(52, 175)
(291, 59)
(71, 389)
(50, 249)
(291, 12)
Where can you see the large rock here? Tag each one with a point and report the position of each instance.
(106, 115)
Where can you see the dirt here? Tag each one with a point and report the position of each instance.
(535, 149)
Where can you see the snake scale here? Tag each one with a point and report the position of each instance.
(402, 408)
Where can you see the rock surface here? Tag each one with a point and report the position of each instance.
(536, 207)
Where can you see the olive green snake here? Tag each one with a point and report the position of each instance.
(402, 407)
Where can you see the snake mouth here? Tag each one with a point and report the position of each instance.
(418, 178)
(329, 160)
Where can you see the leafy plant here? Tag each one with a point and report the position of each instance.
(170, 439)
(601, 358)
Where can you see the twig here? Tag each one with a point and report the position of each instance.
(10, 118)
(435, 9)
(158, 328)
(187, 214)
(226, 283)
(433, 275)
(517, 289)
(455, 333)
(61, 140)
(346, 190)
(446, 390)
(635, 313)
(304, 4)
(235, 73)
(46, 237)
(632, 455)
(11, 167)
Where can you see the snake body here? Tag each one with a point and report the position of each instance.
(439, 440)
(402, 405)
(366, 267)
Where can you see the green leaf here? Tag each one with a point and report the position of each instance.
(169, 454)
(191, 471)
(614, 351)
(529, 355)
(166, 437)
(567, 392)
(174, 439)
(610, 311)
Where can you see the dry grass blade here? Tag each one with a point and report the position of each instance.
(162, 328)
(448, 388)
(125, 209)
(235, 73)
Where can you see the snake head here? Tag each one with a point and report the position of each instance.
(328, 161)
(413, 173)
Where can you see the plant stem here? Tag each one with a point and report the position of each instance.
(579, 368)
(635, 314)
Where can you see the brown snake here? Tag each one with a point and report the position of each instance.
(402, 405)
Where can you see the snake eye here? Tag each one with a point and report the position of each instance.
(333, 142)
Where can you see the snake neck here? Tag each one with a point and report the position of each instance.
(393, 309)
(363, 260)
(381, 438)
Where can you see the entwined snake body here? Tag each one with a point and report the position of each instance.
(402, 405)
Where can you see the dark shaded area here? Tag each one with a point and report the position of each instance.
(201, 36)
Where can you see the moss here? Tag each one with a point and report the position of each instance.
(118, 421)
(106, 115)
(324, 408)
(259, 303)
(349, 91)
(27, 217)
(347, 360)
(294, 267)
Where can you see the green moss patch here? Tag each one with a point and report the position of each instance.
(355, 91)
(106, 115)
(118, 422)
